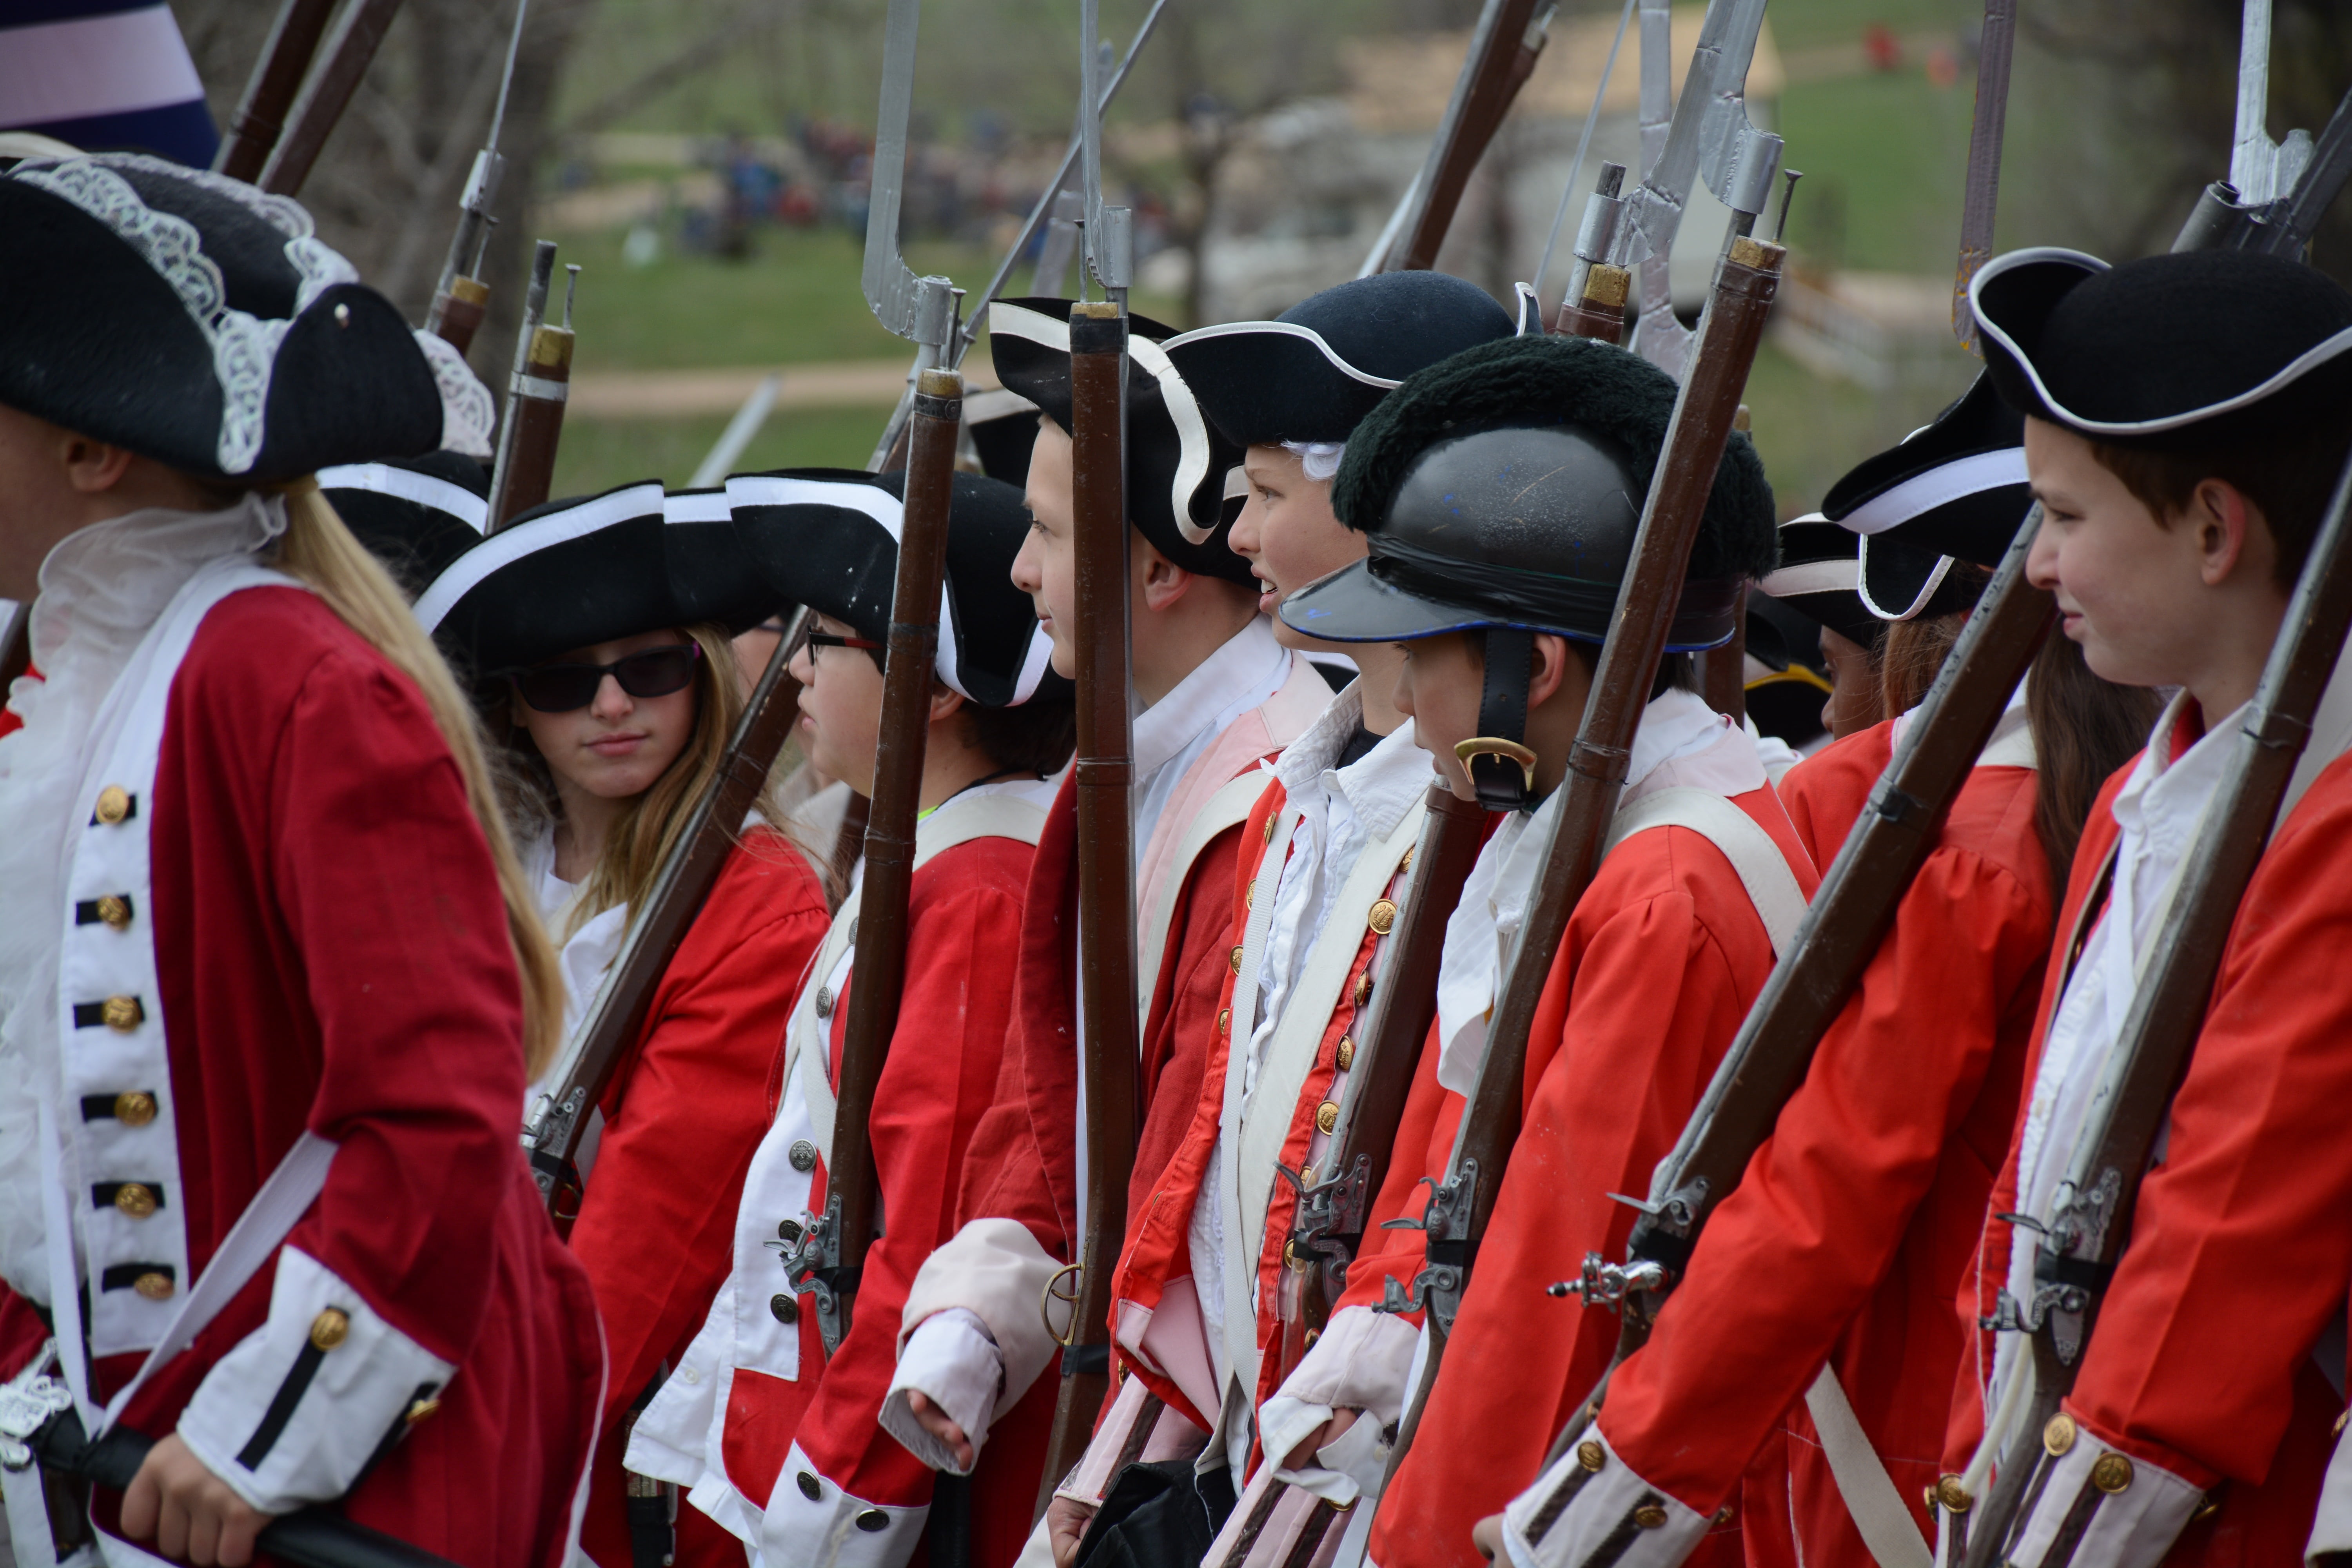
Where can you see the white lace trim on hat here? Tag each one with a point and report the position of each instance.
(468, 413)
(245, 347)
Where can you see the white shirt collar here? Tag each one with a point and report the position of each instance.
(1218, 690)
(1380, 786)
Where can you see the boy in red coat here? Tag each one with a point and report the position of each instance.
(2183, 459)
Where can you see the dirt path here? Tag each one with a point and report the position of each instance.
(689, 393)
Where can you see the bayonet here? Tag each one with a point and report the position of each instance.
(1996, 43)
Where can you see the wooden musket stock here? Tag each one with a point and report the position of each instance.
(326, 95)
(532, 424)
(2168, 1011)
(618, 1011)
(1104, 772)
(879, 980)
(1331, 1215)
(1458, 1214)
(276, 77)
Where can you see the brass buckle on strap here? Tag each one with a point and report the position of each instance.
(1498, 747)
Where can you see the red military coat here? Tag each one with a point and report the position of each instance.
(1660, 960)
(1853, 1223)
(682, 1115)
(2201, 1378)
(332, 956)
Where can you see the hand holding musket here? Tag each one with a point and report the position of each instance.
(1459, 1210)
(347, 56)
(832, 1251)
(537, 391)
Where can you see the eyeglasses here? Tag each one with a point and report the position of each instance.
(563, 688)
(827, 639)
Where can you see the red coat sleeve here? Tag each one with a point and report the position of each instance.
(1869, 1193)
(689, 1108)
(964, 918)
(1662, 959)
(1825, 792)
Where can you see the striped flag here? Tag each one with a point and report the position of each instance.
(104, 75)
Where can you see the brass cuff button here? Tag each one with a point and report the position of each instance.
(1650, 1516)
(155, 1285)
(2110, 1473)
(330, 1328)
(1590, 1456)
(2059, 1435)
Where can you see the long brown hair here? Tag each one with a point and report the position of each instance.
(320, 551)
(2083, 730)
(648, 827)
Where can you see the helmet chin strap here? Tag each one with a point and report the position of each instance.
(1502, 767)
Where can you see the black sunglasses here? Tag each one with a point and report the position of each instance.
(563, 688)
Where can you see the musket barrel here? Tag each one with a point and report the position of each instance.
(537, 391)
(276, 77)
(1503, 50)
(1103, 774)
(325, 96)
(909, 675)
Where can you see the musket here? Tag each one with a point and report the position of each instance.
(324, 97)
(1461, 1207)
(2223, 220)
(558, 1119)
(1980, 198)
(1503, 49)
(277, 77)
(1576, 165)
(2078, 1244)
(1328, 1227)
(1710, 139)
(1050, 204)
(460, 299)
(1849, 917)
(532, 422)
(1102, 773)
(830, 1256)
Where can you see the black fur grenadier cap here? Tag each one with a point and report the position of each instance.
(1314, 372)
(2228, 341)
(198, 321)
(1503, 487)
(828, 538)
(1176, 460)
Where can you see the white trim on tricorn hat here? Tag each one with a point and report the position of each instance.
(2325, 351)
(1938, 486)
(1933, 580)
(1283, 329)
(408, 485)
(530, 535)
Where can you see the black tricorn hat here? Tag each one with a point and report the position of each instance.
(712, 579)
(1504, 486)
(1314, 372)
(1954, 489)
(828, 538)
(416, 516)
(1820, 576)
(568, 575)
(2226, 341)
(1176, 460)
(200, 322)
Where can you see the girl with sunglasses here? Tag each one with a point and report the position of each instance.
(598, 630)
(768, 1434)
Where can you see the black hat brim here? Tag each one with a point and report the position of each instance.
(1264, 382)
(415, 517)
(569, 575)
(1353, 605)
(712, 579)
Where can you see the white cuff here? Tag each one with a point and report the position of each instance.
(1362, 1361)
(995, 1269)
(2124, 1512)
(1589, 1504)
(298, 1409)
(951, 1359)
(1349, 1466)
(812, 1523)
(2331, 1530)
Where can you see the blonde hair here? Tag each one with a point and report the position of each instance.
(320, 551)
(648, 827)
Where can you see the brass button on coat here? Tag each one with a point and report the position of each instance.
(121, 1014)
(1950, 1496)
(1235, 959)
(1345, 1056)
(2059, 1435)
(330, 1328)
(155, 1286)
(1249, 895)
(1364, 987)
(114, 804)
(1589, 1454)
(1269, 830)
(1650, 1516)
(1224, 1019)
(136, 1200)
(1327, 1116)
(1381, 918)
(136, 1109)
(115, 910)
(2110, 1473)
(422, 1410)
(803, 1154)
(784, 1308)
(1306, 1175)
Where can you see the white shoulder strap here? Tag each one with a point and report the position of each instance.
(1885, 1526)
(960, 821)
(1763, 870)
(1229, 808)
